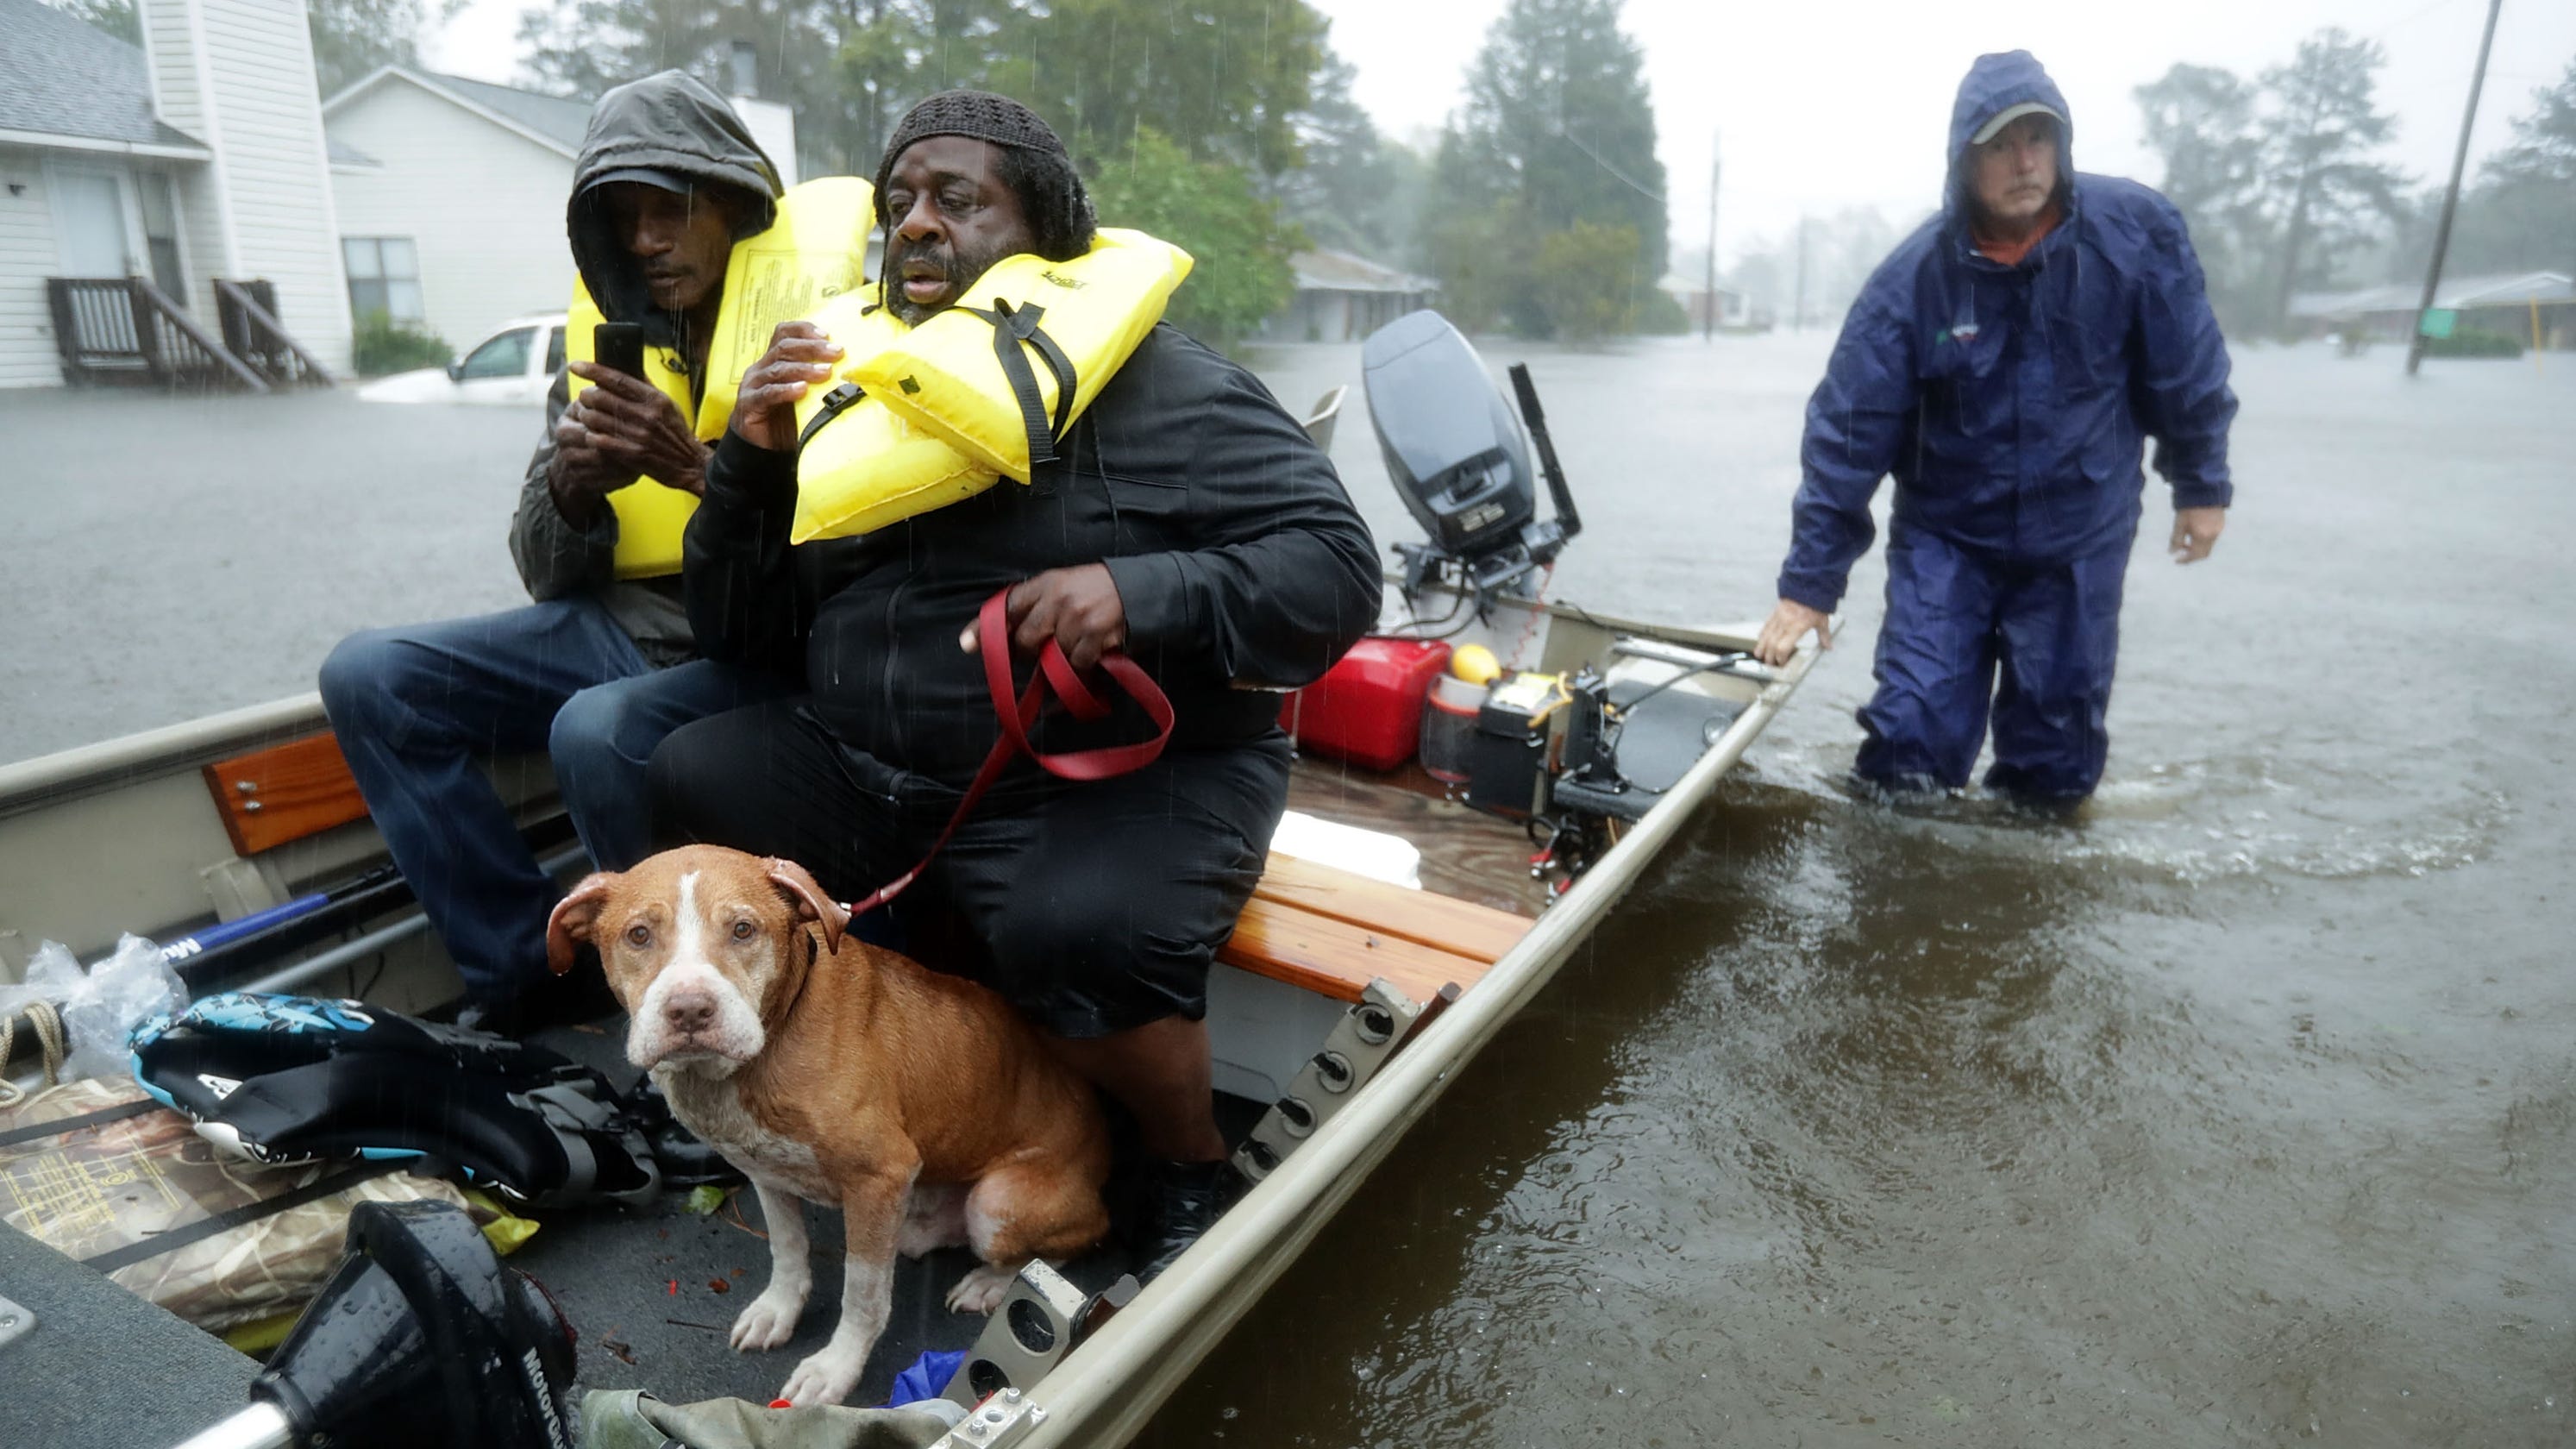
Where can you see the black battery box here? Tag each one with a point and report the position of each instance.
(1513, 754)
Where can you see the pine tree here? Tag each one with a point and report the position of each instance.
(2201, 120)
(2531, 185)
(1558, 130)
(2328, 197)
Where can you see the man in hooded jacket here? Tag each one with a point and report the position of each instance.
(2006, 364)
(598, 669)
(1187, 520)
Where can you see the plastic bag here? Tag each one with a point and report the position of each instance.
(100, 1007)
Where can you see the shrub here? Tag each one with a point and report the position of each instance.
(2471, 342)
(1661, 314)
(1588, 281)
(383, 345)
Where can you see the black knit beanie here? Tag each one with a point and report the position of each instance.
(983, 116)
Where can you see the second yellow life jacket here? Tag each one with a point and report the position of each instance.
(966, 375)
(815, 251)
(859, 465)
(916, 418)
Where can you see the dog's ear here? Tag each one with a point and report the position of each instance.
(572, 920)
(811, 903)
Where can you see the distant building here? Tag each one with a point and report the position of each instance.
(1343, 298)
(195, 156)
(451, 195)
(1735, 311)
(2503, 303)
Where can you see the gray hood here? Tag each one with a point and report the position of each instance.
(668, 122)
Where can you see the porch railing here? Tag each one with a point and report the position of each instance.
(248, 312)
(124, 329)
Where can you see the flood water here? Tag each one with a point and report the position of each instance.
(2238, 1111)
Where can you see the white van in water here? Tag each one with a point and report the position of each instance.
(513, 366)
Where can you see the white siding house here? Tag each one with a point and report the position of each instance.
(195, 156)
(465, 184)
(470, 194)
(244, 70)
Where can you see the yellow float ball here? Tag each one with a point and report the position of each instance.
(1475, 664)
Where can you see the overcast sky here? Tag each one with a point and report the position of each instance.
(1823, 104)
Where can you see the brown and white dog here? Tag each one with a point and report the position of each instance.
(832, 1071)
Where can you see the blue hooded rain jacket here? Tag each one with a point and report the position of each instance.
(2011, 404)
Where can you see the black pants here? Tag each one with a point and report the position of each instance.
(1092, 907)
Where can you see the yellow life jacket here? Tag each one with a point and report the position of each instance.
(815, 251)
(965, 376)
(870, 466)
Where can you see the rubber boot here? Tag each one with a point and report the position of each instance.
(1184, 1199)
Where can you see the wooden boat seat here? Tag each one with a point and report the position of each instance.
(1312, 926)
(272, 797)
(1330, 931)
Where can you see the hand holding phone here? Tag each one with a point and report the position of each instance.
(619, 347)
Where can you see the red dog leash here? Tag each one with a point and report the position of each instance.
(1018, 710)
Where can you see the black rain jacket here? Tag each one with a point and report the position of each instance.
(1238, 558)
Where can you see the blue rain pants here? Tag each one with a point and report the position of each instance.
(417, 708)
(2034, 643)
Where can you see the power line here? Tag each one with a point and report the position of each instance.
(1603, 162)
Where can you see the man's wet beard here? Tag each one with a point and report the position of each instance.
(957, 269)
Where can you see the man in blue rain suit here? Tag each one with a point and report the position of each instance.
(2006, 364)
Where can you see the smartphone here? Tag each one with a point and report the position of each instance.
(619, 347)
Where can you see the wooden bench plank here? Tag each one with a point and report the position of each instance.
(1444, 923)
(270, 797)
(1337, 958)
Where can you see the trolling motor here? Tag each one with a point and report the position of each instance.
(1456, 455)
(421, 1338)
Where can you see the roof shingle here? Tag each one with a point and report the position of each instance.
(565, 121)
(62, 76)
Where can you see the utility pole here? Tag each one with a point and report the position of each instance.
(1798, 314)
(2451, 198)
(1708, 319)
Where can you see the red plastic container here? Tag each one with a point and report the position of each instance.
(1368, 709)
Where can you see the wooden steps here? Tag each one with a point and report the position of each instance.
(1330, 932)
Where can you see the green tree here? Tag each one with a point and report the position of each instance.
(1477, 239)
(2530, 186)
(1208, 208)
(350, 37)
(117, 17)
(584, 47)
(2544, 142)
(1356, 190)
(1557, 129)
(2328, 197)
(1591, 290)
(2201, 120)
(1230, 76)
(1226, 79)
(847, 68)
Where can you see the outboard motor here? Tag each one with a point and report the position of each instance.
(421, 1338)
(1457, 458)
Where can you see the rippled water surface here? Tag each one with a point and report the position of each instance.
(2238, 1111)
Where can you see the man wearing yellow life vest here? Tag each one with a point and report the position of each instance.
(1184, 517)
(600, 666)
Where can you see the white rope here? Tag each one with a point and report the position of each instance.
(48, 1026)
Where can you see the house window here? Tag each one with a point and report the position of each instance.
(161, 234)
(384, 276)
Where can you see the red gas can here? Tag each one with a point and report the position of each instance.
(1368, 709)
